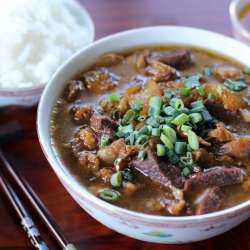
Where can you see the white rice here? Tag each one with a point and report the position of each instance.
(36, 37)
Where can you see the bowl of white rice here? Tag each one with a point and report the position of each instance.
(36, 38)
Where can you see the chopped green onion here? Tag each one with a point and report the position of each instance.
(140, 139)
(116, 115)
(126, 129)
(184, 91)
(141, 118)
(201, 91)
(154, 110)
(152, 122)
(180, 119)
(193, 81)
(185, 128)
(180, 147)
(198, 109)
(130, 115)
(159, 118)
(174, 159)
(185, 110)
(189, 148)
(197, 104)
(191, 124)
(114, 97)
(193, 140)
(186, 171)
(169, 152)
(116, 179)
(136, 105)
(239, 85)
(219, 91)
(141, 155)
(195, 117)
(211, 96)
(167, 110)
(229, 84)
(246, 71)
(132, 139)
(173, 101)
(155, 101)
(206, 116)
(126, 174)
(174, 113)
(207, 71)
(144, 130)
(104, 140)
(166, 141)
(155, 132)
(168, 119)
(160, 150)
(109, 195)
(143, 146)
(203, 133)
(120, 134)
(168, 93)
(187, 161)
(179, 105)
(170, 133)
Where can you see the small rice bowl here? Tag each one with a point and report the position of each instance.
(37, 37)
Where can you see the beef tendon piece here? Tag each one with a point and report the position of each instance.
(210, 201)
(216, 177)
(104, 125)
(177, 58)
(160, 170)
(238, 149)
(221, 134)
(222, 72)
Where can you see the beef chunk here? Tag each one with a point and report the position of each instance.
(210, 201)
(216, 108)
(238, 149)
(216, 177)
(176, 58)
(72, 89)
(104, 125)
(203, 158)
(160, 170)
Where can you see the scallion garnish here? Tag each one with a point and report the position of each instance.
(187, 161)
(195, 117)
(186, 171)
(207, 71)
(160, 150)
(109, 195)
(219, 91)
(116, 179)
(142, 118)
(170, 133)
(179, 105)
(116, 115)
(154, 110)
(136, 105)
(180, 147)
(246, 71)
(201, 91)
(155, 132)
(141, 155)
(155, 101)
(180, 119)
(140, 139)
(229, 84)
(144, 130)
(211, 96)
(168, 93)
(104, 140)
(184, 91)
(166, 141)
(193, 140)
(152, 122)
(185, 128)
(114, 97)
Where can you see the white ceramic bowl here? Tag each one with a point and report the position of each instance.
(30, 96)
(238, 30)
(137, 225)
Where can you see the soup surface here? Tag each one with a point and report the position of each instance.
(161, 131)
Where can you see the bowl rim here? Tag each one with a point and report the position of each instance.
(89, 196)
(91, 30)
(235, 18)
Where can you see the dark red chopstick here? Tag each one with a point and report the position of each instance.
(26, 221)
(40, 208)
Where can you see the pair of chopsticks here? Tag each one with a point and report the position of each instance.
(37, 204)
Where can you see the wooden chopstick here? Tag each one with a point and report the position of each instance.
(26, 221)
(40, 208)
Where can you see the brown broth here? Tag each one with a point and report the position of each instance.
(64, 127)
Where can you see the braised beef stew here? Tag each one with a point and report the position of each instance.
(162, 131)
